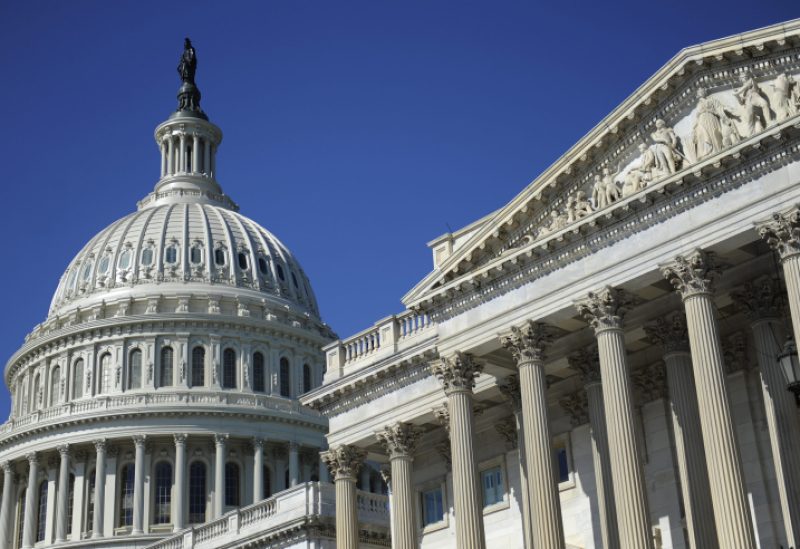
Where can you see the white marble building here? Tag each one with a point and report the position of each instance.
(159, 395)
(599, 362)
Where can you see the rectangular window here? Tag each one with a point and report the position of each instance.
(563, 464)
(492, 483)
(432, 506)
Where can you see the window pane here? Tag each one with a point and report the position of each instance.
(163, 493)
(258, 372)
(563, 465)
(77, 379)
(147, 256)
(285, 381)
(262, 265)
(432, 506)
(231, 484)
(55, 386)
(135, 370)
(198, 367)
(20, 518)
(492, 482)
(171, 255)
(280, 272)
(196, 256)
(165, 374)
(229, 369)
(219, 256)
(306, 378)
(42, 515)
(266, 482)
(70, 502)
(90, 502)
(197, 492)
(125, 259)
(105, 374)
(126, 496)
(102, 267)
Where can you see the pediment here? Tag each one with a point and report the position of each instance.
(693, 116)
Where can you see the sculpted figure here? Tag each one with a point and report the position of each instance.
(785, 96)
(188, 63)
(641, 172)
(598, 193)
(578, 207)
(610, 185)
(756, 114)
(665, 148)
(712, 129)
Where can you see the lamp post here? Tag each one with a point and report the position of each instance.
(791, 367)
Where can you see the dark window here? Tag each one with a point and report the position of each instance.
(171, 255)
(90, 502)
(104, 383)
(231, 484)
(198, 367)
(258, 372)
(242, 260)
(285, 381)
(126, 482)
(21, 519)
(197, 492)
(77, 379)
(147, 256)
(294, 280)
(432, 506)
(229, 369)
(165, 373)
(262, 265)
(41, 517)
(163, 493)
(280, 272)
(563, 464)
(266, 482)
(196, 255)
(307, 381)
(55, 386)
(492, 484)
(135, 370)
(71, 502)
(219, 256)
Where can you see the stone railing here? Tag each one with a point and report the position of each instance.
(152, 401)
(313, 500)
(384, 338)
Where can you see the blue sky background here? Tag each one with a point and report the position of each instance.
(354, 131)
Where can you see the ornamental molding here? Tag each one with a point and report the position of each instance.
(507, 428)
(734, 352)
(650, 382)
(604, 309)
(344, 462)
(577, 407)
(399, 440)
(760, 299)
(457, 373)
(670, 333)
(527, 343)
(512, 392)
(694, 273)
(712, 102)
(587, 363)
(782, 232)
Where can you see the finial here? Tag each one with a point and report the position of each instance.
(189, 94)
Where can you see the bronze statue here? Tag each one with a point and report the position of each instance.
(188, 63)
(189, 94)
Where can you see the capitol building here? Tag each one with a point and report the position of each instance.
(607, 361)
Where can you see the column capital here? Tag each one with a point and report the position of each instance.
(7, 466)
(399, 440)
(344, 461)
(257, 443)
(63, 450)
(293, 446)
(694, 273)
(507, 428)
(139, 440)
(99, 445)
(651, 382)
(180, 439)
(33, 458)
(577, 406)
(442, 415)
(457, 373)
(220, 439)
(760, 299)
(587, 363)
(527, 343)
(669, 332)
(782, 232)
(510, 389)
(605, 308)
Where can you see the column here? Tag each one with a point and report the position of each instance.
(219, 475)
(782, 233)
(762, 302)
(178, 492)
(258, 470)
(344, 462)
(138, 484)
(206, 156)
(294, 464)
(587, 363)
(7, 504)
(29, 532)
(400, 441)
(170, 155)
(163, 149)
(195, 153)
(527, 347)
(62, 505)
(604, 310)
(510, 388)
(693, 277)
(457, 374)
(672, 336)
(99, 488)
(182, 154)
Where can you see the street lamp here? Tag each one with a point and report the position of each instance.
(791, 367)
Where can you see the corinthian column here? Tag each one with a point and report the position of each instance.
(672, 336)
(138, 485)
(527, 347)
(588, 366)
(219, 474)
(29, 532)
(7, 502)
(345, 462)
(99, 488)
(604, 310)
(258, 469)
(62, 506)
(457, 375)
(400, 441)
(761, 302)
(693, 277)
(180, 481)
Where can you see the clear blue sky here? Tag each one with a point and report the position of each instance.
(354, 131)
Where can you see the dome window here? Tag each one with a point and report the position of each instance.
(147, 256)
(102, 267)
(87, 271)
(125, 259)
(71, 280)
(262, 265)
(171, 254)
(219, 256)
(280, 272)
(242, 257)
(294, 281)
(196, 255)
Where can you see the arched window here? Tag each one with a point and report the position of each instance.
(104, 379)
(35, 395)
(71, 502)
(163, 493)
(77, 379)
(258, 372)
(41, 516)
(231, 484)
(147, 256)
(55, 386)
(242, 258)
(126, 482)
(20, 518)
(306, 378)
(286, 385)
(286, 478)
(89, 499)
(165, 371)
(262, 265)
(198, 367)
(219, 256)
(280, 272)
(266, 482)
(171, 254)
(229, 369)
(197, 492)
(135, 370)
(196, 255)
